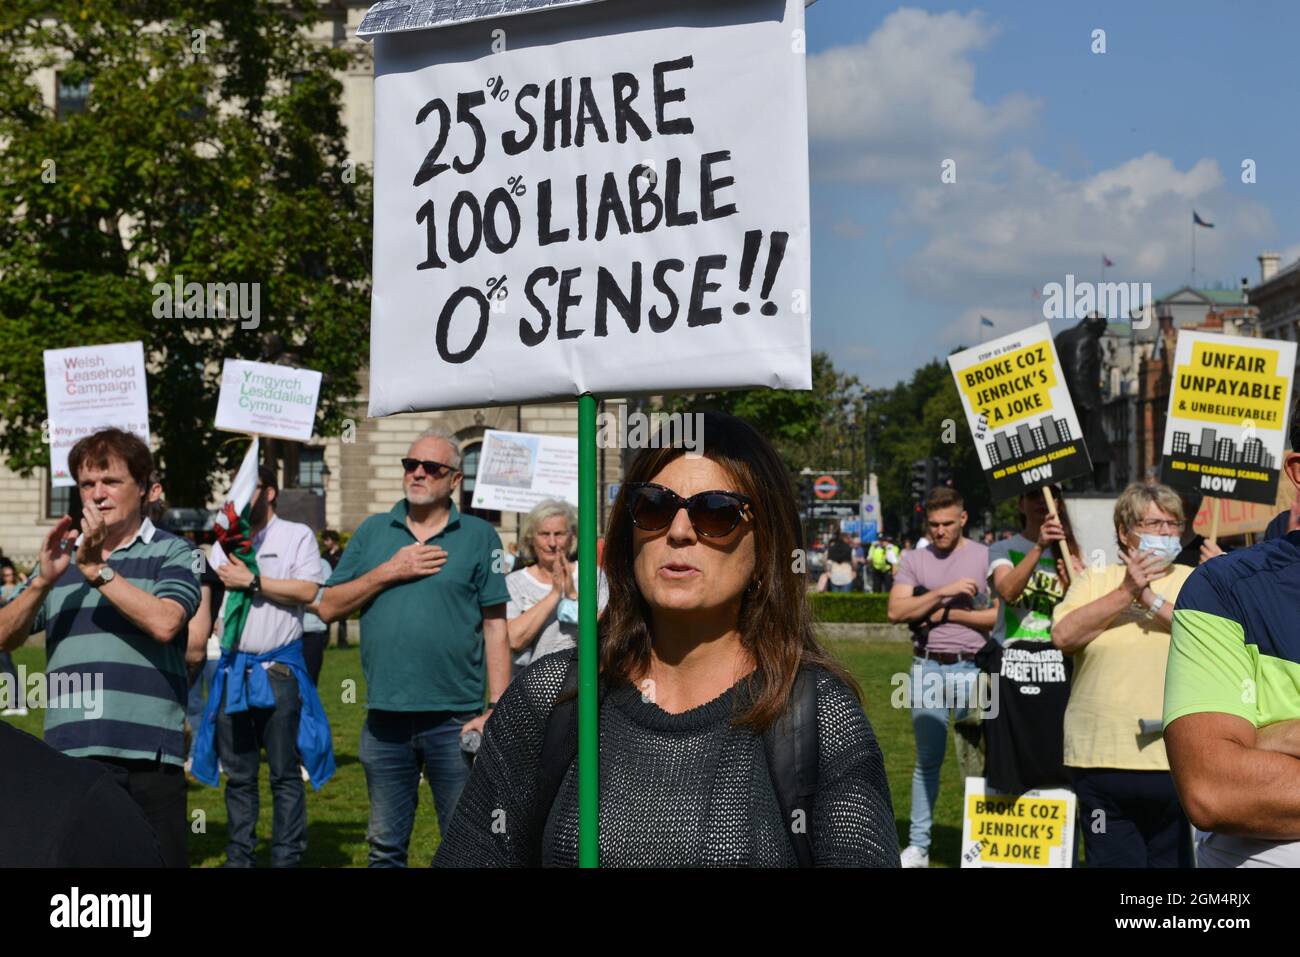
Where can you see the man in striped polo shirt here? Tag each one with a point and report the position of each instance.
(1232, 700)
(112, 599)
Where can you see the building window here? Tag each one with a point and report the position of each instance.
(71, 96)
(311, 469)
(58, 499)
(469, 465)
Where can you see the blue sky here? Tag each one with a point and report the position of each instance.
(1061, 155)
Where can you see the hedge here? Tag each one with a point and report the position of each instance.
(849, 607)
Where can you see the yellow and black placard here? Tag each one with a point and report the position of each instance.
(1035, 829)
(1019, 411)
(1228, 402)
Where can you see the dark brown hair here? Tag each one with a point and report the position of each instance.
(266, 475)
(775, 621)
(1062, 513)
(94, 451)
(941, 496)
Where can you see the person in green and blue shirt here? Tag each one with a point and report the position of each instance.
(113, 599)
(430, 586)
(1232, 700)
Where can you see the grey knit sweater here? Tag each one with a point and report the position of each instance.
(675, 789)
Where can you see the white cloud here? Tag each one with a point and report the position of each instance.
(848, 228)
(1289, 255)
(897, 104)
(992, 239)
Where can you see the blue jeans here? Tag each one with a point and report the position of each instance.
(847, 586)
(394, 746)
(931, 727)
(240, 738)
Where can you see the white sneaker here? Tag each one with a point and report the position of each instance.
(914, 856)
(13, 713)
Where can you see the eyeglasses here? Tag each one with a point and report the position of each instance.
(1160, 524)
(434, 470)
(713, 514)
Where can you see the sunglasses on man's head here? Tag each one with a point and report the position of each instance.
(435, 470)
(713, 514)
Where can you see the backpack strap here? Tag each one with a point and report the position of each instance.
(559, 749)
(791, 746)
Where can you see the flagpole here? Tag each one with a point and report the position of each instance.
(588, 734)
(1193, 250)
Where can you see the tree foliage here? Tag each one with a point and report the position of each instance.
(798, 423)
(839, 422)
(211, 147)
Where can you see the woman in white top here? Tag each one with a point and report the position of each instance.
(542, 616)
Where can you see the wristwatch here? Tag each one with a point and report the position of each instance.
(1155, 607)
(255, 585)
(106, 575)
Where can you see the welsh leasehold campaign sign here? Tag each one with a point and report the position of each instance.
(611, 198)
(1019, 411)
(518, 470)
(1229, 398)
(88, 388)
(1033, 829)
(259, 398)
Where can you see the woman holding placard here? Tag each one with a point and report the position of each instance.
(1115, 621)
(727, 736)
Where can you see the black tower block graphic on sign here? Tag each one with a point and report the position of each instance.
(1008, 445)
(1223, 451)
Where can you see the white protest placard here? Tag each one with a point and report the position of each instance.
(1033, 829)
(1229, 398)
(259, 398)
(1019, 411)
(517, 470)
(88, 388)
(612, 200)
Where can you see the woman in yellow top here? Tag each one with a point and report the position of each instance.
(1115, 621)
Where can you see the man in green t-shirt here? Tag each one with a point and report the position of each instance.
(428, 581)
(1026, 574)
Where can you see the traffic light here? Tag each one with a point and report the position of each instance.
(921, 470)
(942, 473)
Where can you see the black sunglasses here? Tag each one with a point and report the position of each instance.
(435, 470)
(713, 514)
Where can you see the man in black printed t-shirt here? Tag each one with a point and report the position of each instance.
(1025, 741)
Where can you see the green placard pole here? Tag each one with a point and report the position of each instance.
(588, 732)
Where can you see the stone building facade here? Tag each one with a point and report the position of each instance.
(355, 478)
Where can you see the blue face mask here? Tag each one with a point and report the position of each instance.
(1166, 546)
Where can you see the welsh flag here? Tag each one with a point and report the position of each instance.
(232, 531)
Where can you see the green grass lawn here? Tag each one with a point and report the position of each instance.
(336, 815)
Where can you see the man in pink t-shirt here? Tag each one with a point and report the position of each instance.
(942, 587)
